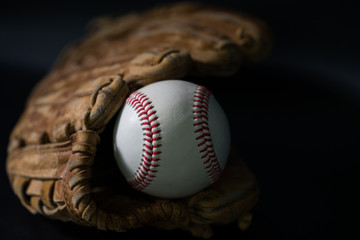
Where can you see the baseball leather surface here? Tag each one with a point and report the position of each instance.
(172, 139)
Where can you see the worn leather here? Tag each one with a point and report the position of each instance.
(52, 161)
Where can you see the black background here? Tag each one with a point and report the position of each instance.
(294, 117)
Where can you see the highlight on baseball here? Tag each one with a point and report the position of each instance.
(171, 139)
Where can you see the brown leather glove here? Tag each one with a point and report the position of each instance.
(51, 155)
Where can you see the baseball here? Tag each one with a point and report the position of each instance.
(171, 139)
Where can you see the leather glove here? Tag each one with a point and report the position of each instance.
(56, 162)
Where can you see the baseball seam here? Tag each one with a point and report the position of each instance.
(203, 136)
(152, 140)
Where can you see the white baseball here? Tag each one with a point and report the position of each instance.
(171, 139)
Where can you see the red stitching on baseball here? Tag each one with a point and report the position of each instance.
(203, 136)
(151, 132)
